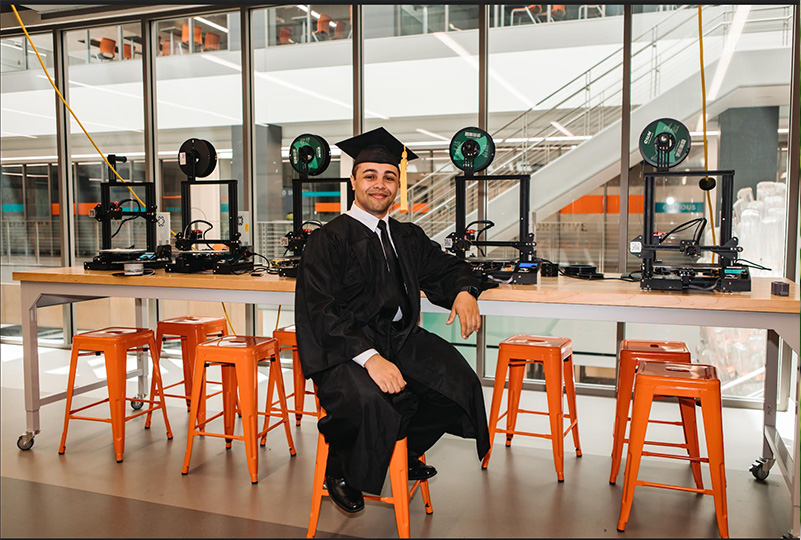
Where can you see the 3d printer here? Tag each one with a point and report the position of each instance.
(472, 150)
(309, 155)
(664, 144)
(108, 211)
(197, 158)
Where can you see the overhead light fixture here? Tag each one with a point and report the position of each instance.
(430, 134)
(212, 24)
(561, 128)
(736, 28)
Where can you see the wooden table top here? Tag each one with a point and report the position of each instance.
(561, 290)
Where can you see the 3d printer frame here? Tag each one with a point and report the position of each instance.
(724, 275)
(296, 239)
(105, 214)
(526, 244)
(524, 270)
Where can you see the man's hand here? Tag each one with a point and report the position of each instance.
(466, 307)
(385, 374)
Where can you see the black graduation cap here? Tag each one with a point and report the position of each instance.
(380, 146)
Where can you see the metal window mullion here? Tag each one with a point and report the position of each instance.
(625, 165)
(248, 141)
(483, 122)
(792, 204)
(66, 193)
(357, 39)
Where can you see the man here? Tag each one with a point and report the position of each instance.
(379, 376)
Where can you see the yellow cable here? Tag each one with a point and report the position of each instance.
(227, 318)
(703, 107)
(64, 101)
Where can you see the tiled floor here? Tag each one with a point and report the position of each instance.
(85, 493)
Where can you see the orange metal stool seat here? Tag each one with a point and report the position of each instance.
(287, 340)
(398, 477)
(114, 343)
(556, 356)
(632, 352)
(693, 381)
(239, 357)
(192, 331)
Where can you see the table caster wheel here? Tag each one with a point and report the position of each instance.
(25, 442)
(136, 405)
(759, 470)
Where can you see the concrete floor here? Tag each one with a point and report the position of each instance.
(85, 493)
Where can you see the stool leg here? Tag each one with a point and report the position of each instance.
(198, 398)
(299, 385)
(713, 428)
(497, 395)
(425, 491)
(229, 383)
(552, 366)
(570, 390)
(277, 375)
(690, 428)
(248, 397)
(317, 489)
(516, 373)
(625, 385)
(641, 411)
(116, 360)
(70, 388)
(399, 478)
(189, 345)
(158, 385)
(159, 344)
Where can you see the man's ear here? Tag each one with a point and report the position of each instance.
(352, 183)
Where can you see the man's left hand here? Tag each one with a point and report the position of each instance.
(466, 307)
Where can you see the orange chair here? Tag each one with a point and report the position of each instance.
(198, 31)
(192, 331)
(323, 27)
(558, 11)
(165, 46)
(115, 343)
(339, 29)
(692, 381)
(632, 352)
(287, 340)
(108, 48)
(212, 42)
(556, 356)
(285, 36)
(398, 478)
(126, 51)
(239, 357)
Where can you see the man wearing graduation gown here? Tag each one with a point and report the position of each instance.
(379, 376)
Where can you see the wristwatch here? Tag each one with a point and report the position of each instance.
(473, 290)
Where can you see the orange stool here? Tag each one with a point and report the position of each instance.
(239, 358)
(114, 343)
(632, 352)
(556, 356)
(398, 477)
(287, 340)
(693, 381)
(192, 331)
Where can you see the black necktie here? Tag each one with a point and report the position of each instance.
(394, 269)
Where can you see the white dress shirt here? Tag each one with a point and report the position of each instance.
(371, 222)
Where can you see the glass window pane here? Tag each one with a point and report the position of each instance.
(30, 227)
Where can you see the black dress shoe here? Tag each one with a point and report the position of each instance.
(420, 471)
(349, 499)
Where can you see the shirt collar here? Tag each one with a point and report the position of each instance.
(366, 218)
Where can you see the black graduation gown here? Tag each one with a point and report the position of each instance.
(344, 305)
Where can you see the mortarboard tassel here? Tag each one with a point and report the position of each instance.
(404, 200)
